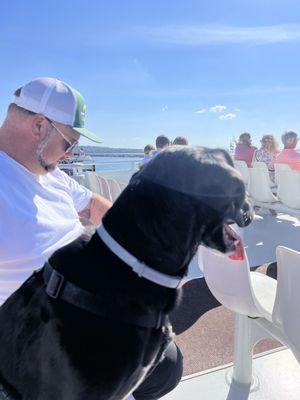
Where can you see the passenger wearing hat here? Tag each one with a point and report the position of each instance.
(40, 205)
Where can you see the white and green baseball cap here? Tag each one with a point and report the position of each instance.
(57, 101)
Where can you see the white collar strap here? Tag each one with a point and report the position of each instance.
(137, 266)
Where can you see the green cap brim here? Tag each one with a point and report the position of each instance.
(87, 134)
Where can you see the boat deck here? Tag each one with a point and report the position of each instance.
(267, 384)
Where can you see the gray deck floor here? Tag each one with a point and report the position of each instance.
(267, 385)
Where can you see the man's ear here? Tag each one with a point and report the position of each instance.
(39, 126)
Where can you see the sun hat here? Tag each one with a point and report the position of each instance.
(57, 101)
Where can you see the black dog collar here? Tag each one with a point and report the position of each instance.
(57, 287)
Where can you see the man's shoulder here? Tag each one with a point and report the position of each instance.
(288, 155)
(59, 175)
(241, 147)
(290, 152)
(56, 179)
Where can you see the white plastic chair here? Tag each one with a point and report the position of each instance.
(289, 188)
(259, 302)
(263, 167)
(259, 188)
(241, 166)
(105, 191)
(278, 168)
(91, 182)
(286, 312)
(97, 184)
(115, 189)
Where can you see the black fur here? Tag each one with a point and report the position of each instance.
(53, 350)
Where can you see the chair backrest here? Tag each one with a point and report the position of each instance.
(105, 191)
(286, 311)
(278, 168)
(289, 188)
(229, 281)
(263, 167)
(241, 166)
(97, 184)
(259, 188)
(91, 182)
(115, 189)
(260, 165)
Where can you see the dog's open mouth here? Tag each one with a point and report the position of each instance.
(234, 243)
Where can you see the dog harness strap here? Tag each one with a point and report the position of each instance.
(58, 287)
(139, 267)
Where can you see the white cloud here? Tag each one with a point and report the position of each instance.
(217, 109)
(227, 117)
(214, 34)
(237, 109)
(202, 111)
(165, 108)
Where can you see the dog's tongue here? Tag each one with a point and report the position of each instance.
(238, 254)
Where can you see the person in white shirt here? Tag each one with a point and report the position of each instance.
(40, 206)
(147, 154)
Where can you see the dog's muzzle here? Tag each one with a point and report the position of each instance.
(244, 215)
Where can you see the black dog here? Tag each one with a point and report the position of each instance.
(99, 342)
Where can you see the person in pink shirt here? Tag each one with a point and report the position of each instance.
(244, 150)
(289, 155)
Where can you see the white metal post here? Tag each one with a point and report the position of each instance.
(243, 347)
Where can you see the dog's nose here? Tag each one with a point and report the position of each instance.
(244, 215)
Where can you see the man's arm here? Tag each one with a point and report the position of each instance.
(95, 210)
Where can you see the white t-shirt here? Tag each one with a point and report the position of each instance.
(38, 215)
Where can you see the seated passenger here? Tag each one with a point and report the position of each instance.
(244, 150)
(147, 153)
(289, 155)
(161, 142)
(268, 153)
(181, 140)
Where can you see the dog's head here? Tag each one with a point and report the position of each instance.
(185, 196)
(207, 177)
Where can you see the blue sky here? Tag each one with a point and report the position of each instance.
(204, 69)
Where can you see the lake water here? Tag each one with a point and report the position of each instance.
(116, 163)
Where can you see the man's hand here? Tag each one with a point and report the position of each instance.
(95, 210)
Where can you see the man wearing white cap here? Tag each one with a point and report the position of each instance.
(40, 205)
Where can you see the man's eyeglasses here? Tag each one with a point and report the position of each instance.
(69, 145)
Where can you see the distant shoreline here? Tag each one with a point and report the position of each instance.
(137, 155)
(104, 149)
